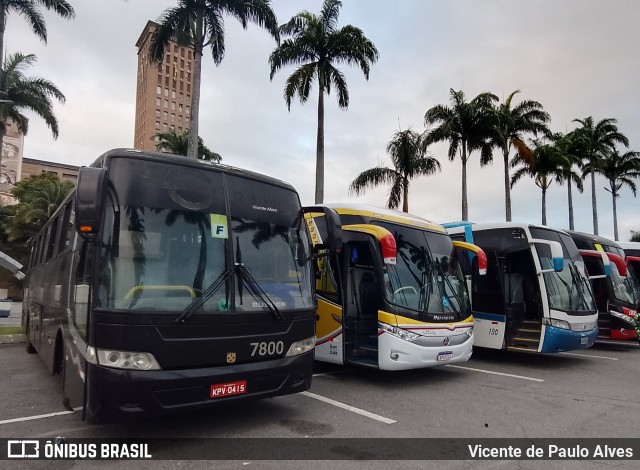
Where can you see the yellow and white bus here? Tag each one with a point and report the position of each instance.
(395, 297)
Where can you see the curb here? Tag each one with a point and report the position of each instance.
(12, 339)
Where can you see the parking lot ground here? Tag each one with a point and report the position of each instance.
(586, 394)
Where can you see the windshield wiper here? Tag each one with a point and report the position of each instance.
(197, 302)
(256, 290)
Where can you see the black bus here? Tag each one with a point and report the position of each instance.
(163, 283)
(618, 293)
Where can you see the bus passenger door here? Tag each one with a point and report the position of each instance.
(75, 341)
(363, 295)
(487, 305)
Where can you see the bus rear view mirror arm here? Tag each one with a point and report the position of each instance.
(333, 243)
(557, 257)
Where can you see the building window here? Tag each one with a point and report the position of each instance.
(173, 94)
(167, 69)
(173, 106)
(187, 110)
(189, 54)
(158, 113)
(188, 87)
(173, 117)
(158, 90)
(180, 107)
(158, 102)
(166, 92)
(157, 125)
(166, 104)
(165, 115)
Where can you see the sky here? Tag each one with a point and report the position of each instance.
(578, 58)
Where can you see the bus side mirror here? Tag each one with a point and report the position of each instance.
(328, 237)
(91, 183)
(474, 250)
(602, 256)
(557, 257)
(619, 263)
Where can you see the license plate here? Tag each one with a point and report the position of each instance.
(445, 356)
(230, 388)
(584, 340)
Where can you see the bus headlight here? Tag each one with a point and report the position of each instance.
(557, 323)
(301, 347)
(127, 360)
(399, 332)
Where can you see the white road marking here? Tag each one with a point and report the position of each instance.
(29, 418)
(353, 409)
(533, 379)
(589, 355)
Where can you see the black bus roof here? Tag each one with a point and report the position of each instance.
(591, 239)
(103, 161)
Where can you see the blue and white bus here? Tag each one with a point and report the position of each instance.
(535, 296)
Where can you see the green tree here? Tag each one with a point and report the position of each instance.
(513, 122)
(25, 93)
(620, 170)
(317, 45)
(177, 143)
(548, 163)
(594, 141)
(30, 10)
(408, 153)
(567, 147)
(468, 126)
(38, 198)
(200, 24)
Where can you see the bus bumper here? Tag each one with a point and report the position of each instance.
(558, 339)
(117, 394)
(623, 334)
(397, 354)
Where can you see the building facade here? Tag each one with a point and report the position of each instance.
(65, 172)
(11, 166)
(163, 94)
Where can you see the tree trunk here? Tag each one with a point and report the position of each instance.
(593, 203)
(465, 206)
(507, 185)
(544, 206)
(405, 196)
(3, 25)
(615, 213)
(320, 149)
(192, 150)
(570, 202)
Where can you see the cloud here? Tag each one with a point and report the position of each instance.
(574, 56)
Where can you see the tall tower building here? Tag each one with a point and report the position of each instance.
(163, 96)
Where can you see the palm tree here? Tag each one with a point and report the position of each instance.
(513, 122)
(567, 147)
(316, 44)
(620, 171)
(24, 93)
(408, 153)
(548, 162)
(594, 141)
(176, 142)
(468, 126)
(39, 196)
(29, 9)
(199, 24)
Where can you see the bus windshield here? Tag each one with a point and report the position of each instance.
(426, 278)
(167, 239)
(625, 288)
(567, 290)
